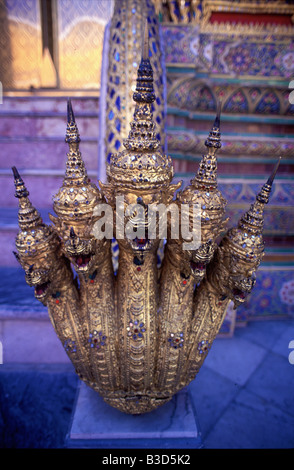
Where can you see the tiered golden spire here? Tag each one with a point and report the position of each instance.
(141, 165)
(246, 239)
(78, 196)
(76, 173)
(252, 220)
(203, 188)
(34, 236)
(28, 216)
(206, 177)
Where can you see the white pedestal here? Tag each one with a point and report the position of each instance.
(95, 424)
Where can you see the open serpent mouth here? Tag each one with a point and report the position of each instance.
(140, 243)
(243, 289)
(41, 289)
(82, 260)
(238, 293)
(197, 266)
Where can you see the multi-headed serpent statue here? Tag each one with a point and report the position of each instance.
(140, 335)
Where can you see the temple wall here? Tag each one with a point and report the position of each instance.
(248, 68)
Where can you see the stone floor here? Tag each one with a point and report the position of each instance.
(243, 395)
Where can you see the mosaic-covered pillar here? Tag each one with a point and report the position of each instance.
(123, 43)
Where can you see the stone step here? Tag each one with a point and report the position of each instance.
(49, 153)
(31, 341)
(45, 124)
(34, 117)
(32, 132)
(249, 123)
(55, 104)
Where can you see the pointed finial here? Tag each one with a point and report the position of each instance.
(218, 113)
(70, 113)
(144, 88)
(145, 46)
(20, 189)
(15, 173)
(75, 168)
(28, 216)
(252, 220)
(274, 172)
(264, 194)
(213, 140)
(206, 177)
(72, 133)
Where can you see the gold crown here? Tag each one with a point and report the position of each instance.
(246, 240)
(141, 165)
(34, 236)
(203, 187)
(77, 197)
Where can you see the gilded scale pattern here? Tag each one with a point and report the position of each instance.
(139, 336)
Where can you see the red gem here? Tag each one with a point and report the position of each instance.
(184, 283)
(138, 268)
(136, 330)
(57, 301)
(177, 340)
(95, 340)
(92, 281)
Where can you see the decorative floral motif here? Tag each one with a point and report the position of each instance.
(136, 329)
(288, 61)
(269, 299)
(176, 340)
(239, 59)
(240, 54)
(97, 339)
(269, 104)
(287, 292)
(203, 347)
(236, 103)
(70, 345)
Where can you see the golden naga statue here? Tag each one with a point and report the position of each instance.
(140, 335)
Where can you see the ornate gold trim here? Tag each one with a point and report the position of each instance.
(246, 29)
(277, 7)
